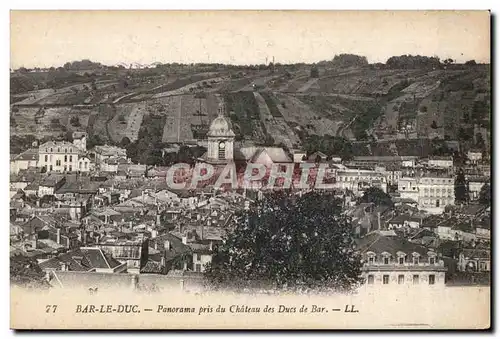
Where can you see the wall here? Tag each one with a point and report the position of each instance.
(205, 259)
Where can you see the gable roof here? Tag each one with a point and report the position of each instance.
(379, 243)
(83, 259)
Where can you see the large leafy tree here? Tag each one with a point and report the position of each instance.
(485, 195)
(25, 272)
(288, 241)
(376, 196)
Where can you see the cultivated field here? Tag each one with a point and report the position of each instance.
(126, 122)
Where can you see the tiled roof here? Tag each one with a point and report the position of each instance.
(378, 243)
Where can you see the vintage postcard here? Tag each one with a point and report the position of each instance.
(250, 170)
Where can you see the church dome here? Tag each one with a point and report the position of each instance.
(220, 127)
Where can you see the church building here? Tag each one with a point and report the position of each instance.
(222, 149)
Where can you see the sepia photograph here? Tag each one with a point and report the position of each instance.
(206, 169)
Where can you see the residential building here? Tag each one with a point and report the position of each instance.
(440, 162)
(389, 260)
(436, 190)
(475, 184)
(80, 140)
(357, 180)
(50, 184)
(23, 161)
(105, 152)
(474, 156)
(84, 259)
(58, 156)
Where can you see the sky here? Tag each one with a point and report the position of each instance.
(51, 38)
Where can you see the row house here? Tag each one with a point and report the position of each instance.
(358, 180)
(389, 260)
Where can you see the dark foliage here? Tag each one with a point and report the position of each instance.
(288, 242)
(461, 194)
(377, 196)
(25, 272)
(485, 195)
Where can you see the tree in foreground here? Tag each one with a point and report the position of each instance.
(25, 272)
(288, 242)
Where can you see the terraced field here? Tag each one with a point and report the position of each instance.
(126, 122)
(276, 126)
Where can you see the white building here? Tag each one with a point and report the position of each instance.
(435, 192)
(84, 164)
(475, 185)
(440, 162)
(357, 180)
(392, 261)
(25, 160)
(474, 156)
(58, 156)
(80, 140)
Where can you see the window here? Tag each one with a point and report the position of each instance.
(415, 279)
(80, 165)
(401, 279)
(58, 150)
(432, 260)
(370, 279)
(70, 158)
(483, 266)
(432, 279)
(371, 259)
(71, 150)
(198, 257)
(65, 168)
(415, 260)
(51, 150)
(198, 268)
(65, 150)
(385, 279)
(86, 163)
(46, 158)
(70, 168)
(58, 162)
(65, 158)
(401, 260)
(386, 260)
(50, 168)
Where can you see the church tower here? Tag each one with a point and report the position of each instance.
(220, 138)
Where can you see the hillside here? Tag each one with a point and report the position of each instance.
(280, 105)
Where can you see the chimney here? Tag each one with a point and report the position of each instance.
(211, 246)
(34, 242)
(184, 240)
(182, 284)
(158, 217)
(154, 234)
(64, 267)
(202, 235)
(163, 261)
(167, 245)
(135, 282)
(378, 219)
(58, 236)
(130, 224)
